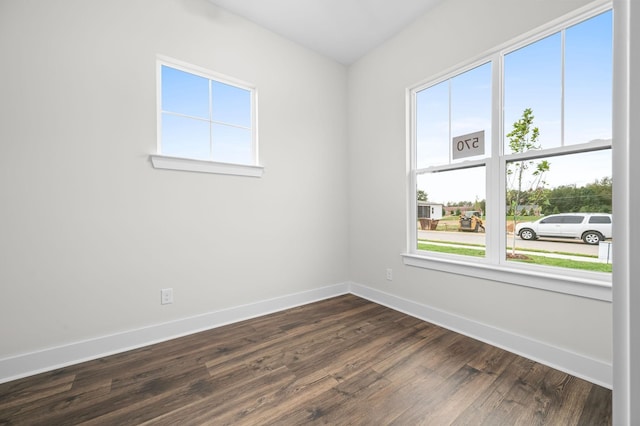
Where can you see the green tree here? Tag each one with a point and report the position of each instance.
(422, 196)
(564, 199)
(593, 197)
(481, 206)
(601, 196)
(524, 177)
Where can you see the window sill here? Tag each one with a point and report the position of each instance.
(202, 166)
(591, 288)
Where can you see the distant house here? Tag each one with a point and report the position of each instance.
(451, 210)
(427, 210)
(526, 209)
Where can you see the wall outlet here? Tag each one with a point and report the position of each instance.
(389, 274)
(166, 296)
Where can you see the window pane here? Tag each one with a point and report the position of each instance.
(552, 224)
(471, 105)
(600, 219)
(572, 219)
(451, 202)
(533, 79)
(588, 80)
(232, 144)
(552, 219)
(185, 137)
(432, 125)
(456, 107)
(185, 93)
(231, 105)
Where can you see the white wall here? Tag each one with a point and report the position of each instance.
(451, 34)
(90, 232)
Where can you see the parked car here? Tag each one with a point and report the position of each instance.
(590, 227)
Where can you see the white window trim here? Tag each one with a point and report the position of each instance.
(160, 161)
(593, 285)
(589, 287)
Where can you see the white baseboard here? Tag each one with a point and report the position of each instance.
(52, 358)
(594, 371)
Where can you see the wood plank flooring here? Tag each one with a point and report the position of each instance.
(342, 361)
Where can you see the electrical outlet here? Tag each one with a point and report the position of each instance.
(389, 274)
(166, 296)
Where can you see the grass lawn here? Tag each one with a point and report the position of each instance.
(533, 259)
(567, 263)
(453, 250)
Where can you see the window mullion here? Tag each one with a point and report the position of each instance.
(495, 173)
(450, 135)
(413, 182)
(211, 119)
(254, 126)
(562, 77)
(413, 213)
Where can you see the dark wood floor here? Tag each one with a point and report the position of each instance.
(340, 361)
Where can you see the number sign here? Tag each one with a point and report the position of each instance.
(468, 145)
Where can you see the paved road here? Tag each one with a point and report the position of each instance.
(558, 245)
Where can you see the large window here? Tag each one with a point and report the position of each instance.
(206, 118)
(505, 142)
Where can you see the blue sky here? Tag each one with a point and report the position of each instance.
(197, 110)
(532, 79)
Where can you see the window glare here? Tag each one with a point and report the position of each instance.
(449, 187)
(231, 144)
(185, 93)
(432, 125)
(185, 137)
(231, 105)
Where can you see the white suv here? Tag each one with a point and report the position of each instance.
(590, 227)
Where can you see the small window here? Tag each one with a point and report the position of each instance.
(553, 219)
(205, 118)
(572, 219)
(600, 219)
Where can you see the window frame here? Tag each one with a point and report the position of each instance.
(494, 266)
(162, 161)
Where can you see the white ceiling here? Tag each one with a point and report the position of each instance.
(342, 29)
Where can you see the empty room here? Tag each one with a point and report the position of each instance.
(319, 212)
